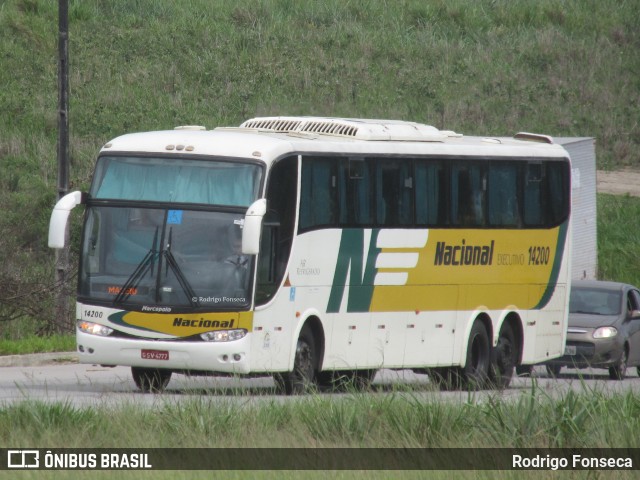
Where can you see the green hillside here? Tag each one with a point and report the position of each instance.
(493, 67)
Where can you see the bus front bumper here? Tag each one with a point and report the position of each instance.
(224, 357)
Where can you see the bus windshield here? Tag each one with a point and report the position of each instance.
(163, 257)
(145, 248)
(179, 180)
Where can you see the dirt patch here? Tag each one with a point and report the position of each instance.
(619, 182)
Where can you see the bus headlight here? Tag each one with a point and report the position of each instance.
(94, 328)
(223, 335)
(605, 332)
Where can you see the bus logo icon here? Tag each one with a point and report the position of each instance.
(23, 459)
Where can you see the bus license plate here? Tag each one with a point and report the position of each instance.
(155, 354)
(570, 350)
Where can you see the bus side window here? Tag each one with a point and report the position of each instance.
(318, 200)
(503, 195)
(269, 258)
(468, 186)
(431, 193)
(356, 192)
(556, 183)
(533, 215)
(394, 192)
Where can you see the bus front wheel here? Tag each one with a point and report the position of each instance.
(151, 380)
(303, 377)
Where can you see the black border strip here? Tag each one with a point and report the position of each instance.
(320, 459)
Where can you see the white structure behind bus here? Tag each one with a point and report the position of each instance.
(582, 151)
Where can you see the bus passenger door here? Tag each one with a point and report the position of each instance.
(275, 312)
(274, 317)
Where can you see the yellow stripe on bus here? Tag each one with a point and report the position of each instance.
(464, 269)
(187, 324)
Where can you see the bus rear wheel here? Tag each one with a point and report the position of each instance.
(475, 374)
(504, 358)
(524, 370)
(446, 378)
(303, 377)
(347, 380)
(151, 380)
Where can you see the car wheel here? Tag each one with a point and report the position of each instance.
(619, 370)
(150, 380)
(303, 377)
(553, 370)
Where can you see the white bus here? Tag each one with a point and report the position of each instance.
(320, 250)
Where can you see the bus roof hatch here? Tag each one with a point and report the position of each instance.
(360, 129)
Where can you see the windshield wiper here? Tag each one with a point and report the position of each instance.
(175, 268)
(140, 271)
(147, 263)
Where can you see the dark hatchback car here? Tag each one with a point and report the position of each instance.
(604, 328)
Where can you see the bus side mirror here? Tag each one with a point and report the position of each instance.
(253, 226)
(59, 217)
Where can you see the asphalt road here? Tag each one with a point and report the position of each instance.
(91, 385)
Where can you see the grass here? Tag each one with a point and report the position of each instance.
(590, 418)
(407, 419)
(619, 238)
(37, 344)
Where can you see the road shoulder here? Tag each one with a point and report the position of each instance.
(618, 182)
(35, 359)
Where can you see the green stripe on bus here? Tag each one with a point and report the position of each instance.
(555, 270)
(351, 255)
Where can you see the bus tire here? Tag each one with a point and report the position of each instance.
(151, 380)
(446, 378)
(475, 373)
(362, 379)
(524, 370)
(504, 358)
(303, 377)
(347, 380)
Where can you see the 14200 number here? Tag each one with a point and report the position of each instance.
(539, 255)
